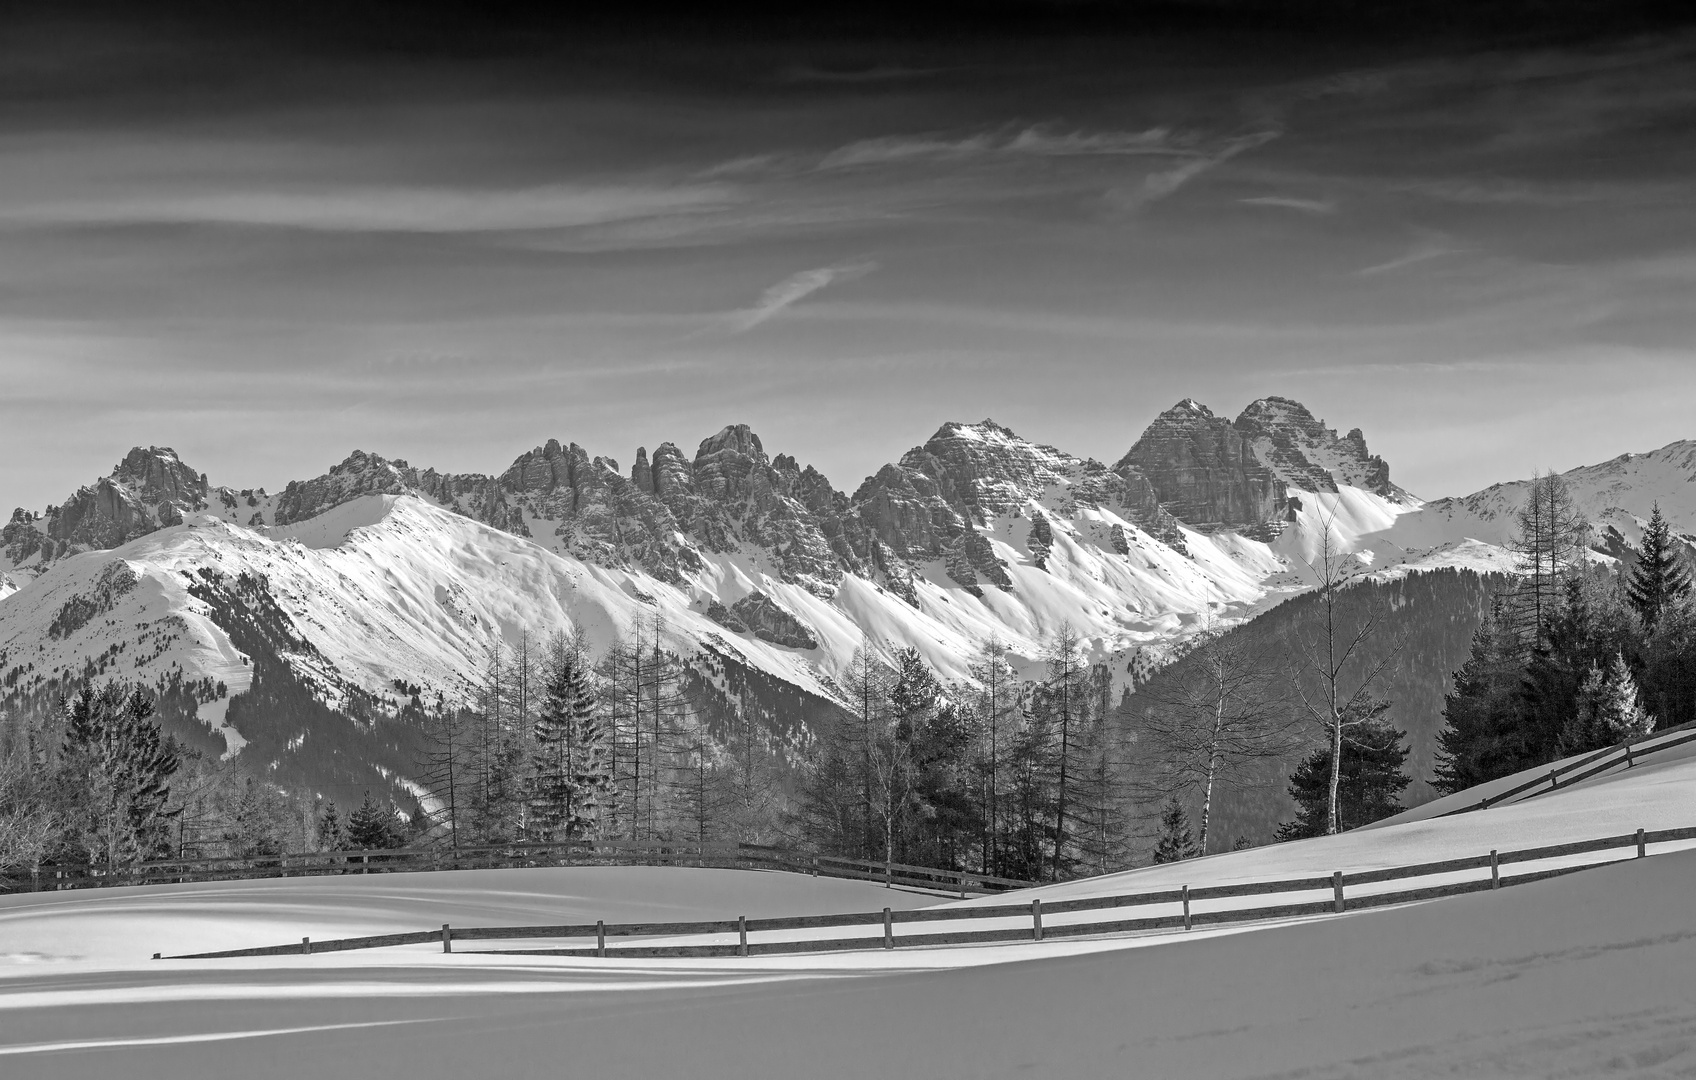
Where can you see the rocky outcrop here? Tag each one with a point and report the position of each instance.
(1203, 471)
(150, 489)
(1301, 451)
(359, 474)
(770, 622)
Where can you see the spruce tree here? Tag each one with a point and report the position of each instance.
(1660, 576)
(118, 765)
(571, 780)
(1176, 842)
(1482, 737)
(331, 833)
(374, 826)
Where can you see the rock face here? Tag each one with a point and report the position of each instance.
(1203, 471)
(149, 489)
(769, 622)
(1301, 451)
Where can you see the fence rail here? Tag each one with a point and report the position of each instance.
(1627, 753)
(511, 856)
(1157, 912)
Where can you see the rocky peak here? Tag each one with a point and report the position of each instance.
(1203, 471)
(727, 464)
(1304, 453)
(358, 474)
(157, 474)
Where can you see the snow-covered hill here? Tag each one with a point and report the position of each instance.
(1583, 975)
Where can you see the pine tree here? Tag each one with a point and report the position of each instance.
(1617, 708)
(570, 781)
(374, 826)
(1176, 842)
(1371, 778)
(120, 765)
(1483, 735)
(1660, 576)
(331, 832)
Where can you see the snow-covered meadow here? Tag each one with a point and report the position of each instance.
(1581, 975)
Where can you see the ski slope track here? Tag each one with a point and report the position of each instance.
(1588, 974)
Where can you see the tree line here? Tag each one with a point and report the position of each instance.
(1577, 654)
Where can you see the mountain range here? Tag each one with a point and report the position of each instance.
(297, 624)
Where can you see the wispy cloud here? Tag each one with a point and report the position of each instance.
(1421, 253)
(794, 288)
(418, 210)
(1034, 141)
(1290, 202)
(1158, 185)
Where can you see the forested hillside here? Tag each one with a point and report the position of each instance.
(1428, 619)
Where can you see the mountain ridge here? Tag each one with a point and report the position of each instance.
(758, 569)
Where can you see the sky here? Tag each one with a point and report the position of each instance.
(267, 245)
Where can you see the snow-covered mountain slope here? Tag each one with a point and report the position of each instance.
(1617, 495)
(376, 575)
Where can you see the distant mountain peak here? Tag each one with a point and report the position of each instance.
(1304, 453)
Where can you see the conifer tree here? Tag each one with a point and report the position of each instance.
(1371, 778)
(1176, 842)
(1483, 736)
(331, 831)
(373, 826)
(570, 781)
(1660, 577)
(119, 765)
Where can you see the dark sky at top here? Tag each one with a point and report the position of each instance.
(269, 238)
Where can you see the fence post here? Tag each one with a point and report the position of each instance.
(1036, 920)
(1628, 755)
(1495, 870)
(886, 875)
(306, 945)
(1554, 780)
(1186, 907)
(742, 932)
(1642, 849)
(600, 937)
(888, 929)
(447, 938)
(1337, 889)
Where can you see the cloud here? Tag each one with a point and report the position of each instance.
(1290, 202)
(1158, 185)
(416, 210)
(1035, 141)
(1422, 253)
(794, 288)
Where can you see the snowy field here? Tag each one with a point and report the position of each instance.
(1590, 974)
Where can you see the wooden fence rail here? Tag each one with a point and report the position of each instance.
(510, 856)
(1029, 916)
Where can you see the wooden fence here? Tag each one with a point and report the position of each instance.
(1170, 909)
(513, 856)
(1625, 754)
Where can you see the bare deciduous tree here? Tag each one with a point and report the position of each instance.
(1220, 711)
